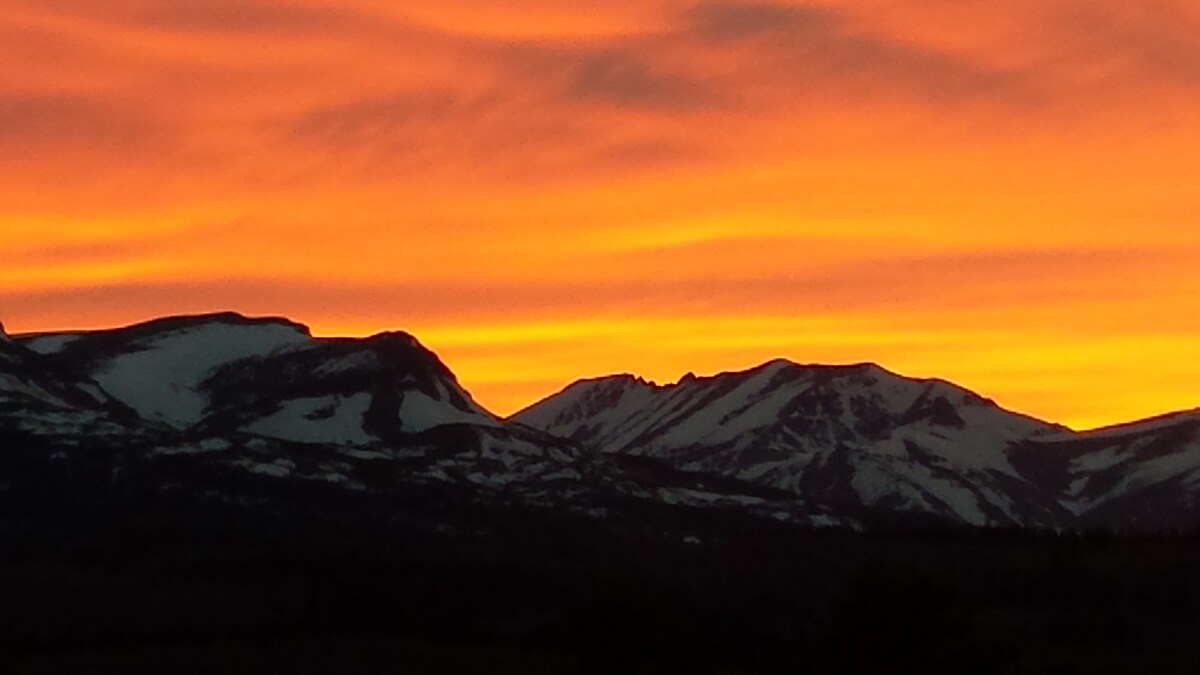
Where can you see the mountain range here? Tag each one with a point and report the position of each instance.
(241, 413)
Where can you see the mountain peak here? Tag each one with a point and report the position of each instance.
(855, 436)
(186, 321)
(156, 367)
(781, 365)
(854, 432)
(618, 379)
(229, 371)
(396, 338)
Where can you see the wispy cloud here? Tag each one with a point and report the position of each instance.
(1024, 169)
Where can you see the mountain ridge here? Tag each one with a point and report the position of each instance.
(864, 435)
(51, 339)
(845, 445)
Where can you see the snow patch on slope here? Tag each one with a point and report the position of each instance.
(328, 419)
(1183, 463)
(52, 343)
(419, 412)
(279, 468)
(750, 406)
(13, 389)
(162, 381)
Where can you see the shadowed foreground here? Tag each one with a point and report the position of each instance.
(528, 592)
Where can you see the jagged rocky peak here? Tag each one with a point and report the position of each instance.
(782, 372)
(857, 434)
(861, 395)
(581, 400)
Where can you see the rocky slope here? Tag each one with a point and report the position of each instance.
(223, 406)
(1139, 476)
(860, 437)
(230, 494)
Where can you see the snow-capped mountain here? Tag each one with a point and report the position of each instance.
(854, 435)
(38, 395)
(863, 437)
(159, 368)
(265, 397)
(267, 376)
(213, 480)
(1139, 476)
(203, 404)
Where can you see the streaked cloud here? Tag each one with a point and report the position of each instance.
(30, 123)
(998, 192)
(810, 46)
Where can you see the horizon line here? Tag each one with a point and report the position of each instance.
(706, 375)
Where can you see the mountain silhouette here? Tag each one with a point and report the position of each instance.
(215, 492)
(844, 446)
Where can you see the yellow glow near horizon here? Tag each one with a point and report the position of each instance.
(1002, 195)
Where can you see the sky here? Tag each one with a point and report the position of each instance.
(1002, 194)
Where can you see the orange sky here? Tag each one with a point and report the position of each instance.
(1004, 194)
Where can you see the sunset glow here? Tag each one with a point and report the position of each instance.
(1006, 195)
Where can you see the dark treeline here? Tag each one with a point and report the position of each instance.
(526, 592)
(106, 571)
